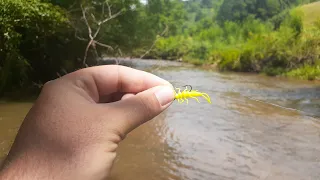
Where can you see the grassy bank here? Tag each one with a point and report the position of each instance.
(290, 48)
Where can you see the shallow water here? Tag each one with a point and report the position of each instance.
(256, 128)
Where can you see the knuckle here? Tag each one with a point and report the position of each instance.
(48, 86)
(115, 135)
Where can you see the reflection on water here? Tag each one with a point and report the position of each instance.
(256, 128)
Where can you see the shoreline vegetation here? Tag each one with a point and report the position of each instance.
(292, 50)
(43, 40)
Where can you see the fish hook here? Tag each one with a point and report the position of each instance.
(188, 86)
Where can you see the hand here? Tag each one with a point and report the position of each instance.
(76, 124)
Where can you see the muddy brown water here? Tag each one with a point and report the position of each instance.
(256, 128)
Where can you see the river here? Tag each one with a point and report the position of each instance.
(257, 127)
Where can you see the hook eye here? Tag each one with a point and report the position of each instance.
(188, 86)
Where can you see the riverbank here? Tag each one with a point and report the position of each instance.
(26, 94)
(303, 73)
(306, 72)
(290, 48)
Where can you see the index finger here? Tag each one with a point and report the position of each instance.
(100, 81)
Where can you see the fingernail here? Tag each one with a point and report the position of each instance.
(164, 95)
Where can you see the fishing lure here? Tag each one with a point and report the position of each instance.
(189, 93)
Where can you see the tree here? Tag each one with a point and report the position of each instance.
(169, 13)
(94, 26)
(238, 10)
(30, 34)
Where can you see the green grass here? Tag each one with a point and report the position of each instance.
(311, 13)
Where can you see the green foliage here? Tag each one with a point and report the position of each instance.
(296, 20)
(40, 39)
(27, 29)
(254, 36)
(255, 46)
(171, 48)
(229, 59)
(317, 23)
(306, 72)
(232, 10)
(200, 50)
(277, 52)
(239, 10)
(169, 13)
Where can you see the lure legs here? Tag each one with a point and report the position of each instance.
(196, 99)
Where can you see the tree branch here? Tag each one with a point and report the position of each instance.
(92, 42)
(86, 53)
(103, 45)
(102, 11)
(93, 17)
(110, 17)
(86, 21)
(97, 32)
(109, 8)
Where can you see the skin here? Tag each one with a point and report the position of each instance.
(76, 124)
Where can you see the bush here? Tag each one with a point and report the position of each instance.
(171, 48)
(35, 41)
(296, 20)
(229, 59)
(306, 72)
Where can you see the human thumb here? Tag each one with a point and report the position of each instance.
(138, 109)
